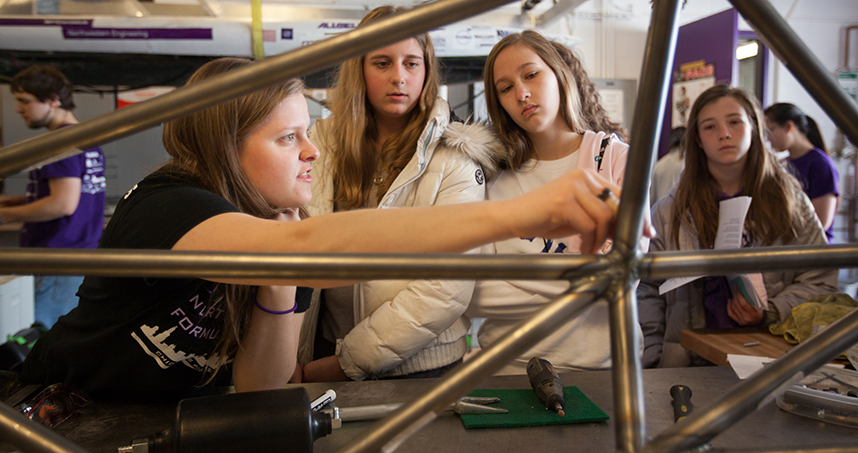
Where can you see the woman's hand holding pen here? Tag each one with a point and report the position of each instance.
(580, 202)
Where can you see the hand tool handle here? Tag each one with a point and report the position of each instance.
(682, 406)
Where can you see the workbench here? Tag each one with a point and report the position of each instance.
(102, 427)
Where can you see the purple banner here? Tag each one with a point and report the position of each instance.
(83, 29)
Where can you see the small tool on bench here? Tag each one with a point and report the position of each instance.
(547, 384)
(464, 405)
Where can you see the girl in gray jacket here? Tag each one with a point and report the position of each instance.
(726, 157)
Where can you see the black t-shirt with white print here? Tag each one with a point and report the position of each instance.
(133, 337)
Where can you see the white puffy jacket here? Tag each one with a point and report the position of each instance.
(403, 327)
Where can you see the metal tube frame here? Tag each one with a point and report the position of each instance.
(32, 437)
(613, 276)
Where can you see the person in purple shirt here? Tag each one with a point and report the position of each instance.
(791, 130)
(64, 204)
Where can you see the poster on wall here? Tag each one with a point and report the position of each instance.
(693, 78)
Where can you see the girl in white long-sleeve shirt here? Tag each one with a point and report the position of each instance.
(534, 98)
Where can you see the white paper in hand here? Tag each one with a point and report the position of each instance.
(731, 225)
(731, 222)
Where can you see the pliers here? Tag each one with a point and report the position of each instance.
(477, 405)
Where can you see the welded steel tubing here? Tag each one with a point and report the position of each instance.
(166, 263)
(646, 123)
(213, 91)
(745, 397)
(30, 436)
(799, 59)
(179, 264)
(471, 373)
(629, 409)
(716, 262)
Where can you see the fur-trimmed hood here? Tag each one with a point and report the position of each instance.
(479, 142)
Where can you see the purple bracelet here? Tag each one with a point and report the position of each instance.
(256, 302)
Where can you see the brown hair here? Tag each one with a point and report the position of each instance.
(776, 194)
(46, 83)
(592, 111)
(355, 159)
(204, 147)
(514, 137)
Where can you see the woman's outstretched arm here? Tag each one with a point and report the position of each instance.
(566, 206)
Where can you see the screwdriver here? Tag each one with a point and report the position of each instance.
(547, 384)
(682, 406)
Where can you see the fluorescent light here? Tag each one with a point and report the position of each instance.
(747, 51)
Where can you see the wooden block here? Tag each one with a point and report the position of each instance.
(714, 344)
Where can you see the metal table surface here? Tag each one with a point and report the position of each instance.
(104, 427)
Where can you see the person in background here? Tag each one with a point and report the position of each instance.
(64, 204)
(533, 99)
(668, 169)
(392, 142)
(726, 157)
(791, 130)
(238, 173)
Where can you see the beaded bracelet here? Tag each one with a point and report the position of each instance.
(295, 307)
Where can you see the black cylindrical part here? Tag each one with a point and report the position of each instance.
(271, 420)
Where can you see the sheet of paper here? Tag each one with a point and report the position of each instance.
(731, 221)
(746, 365)
(673, 283)
(730, 227)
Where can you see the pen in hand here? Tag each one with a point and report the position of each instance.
(613, 203)
(610, 198)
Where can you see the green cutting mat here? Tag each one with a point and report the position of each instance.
(525, 409)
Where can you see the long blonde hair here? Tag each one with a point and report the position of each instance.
(775, 210)
(204, 147)
(354, 156)
(514, 137)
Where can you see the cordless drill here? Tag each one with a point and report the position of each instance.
(548, 387)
